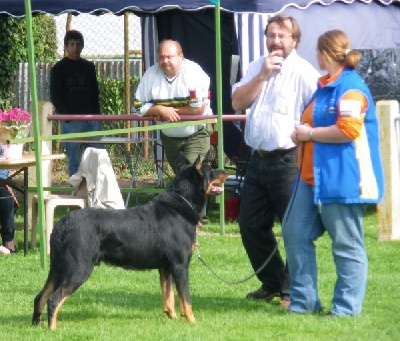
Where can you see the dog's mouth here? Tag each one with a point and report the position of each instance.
(214, 190)
(214, 187)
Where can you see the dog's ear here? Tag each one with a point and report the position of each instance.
(181, 161)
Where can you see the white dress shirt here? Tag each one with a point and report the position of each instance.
(279, 105)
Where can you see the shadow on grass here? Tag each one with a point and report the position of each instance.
(88, 304)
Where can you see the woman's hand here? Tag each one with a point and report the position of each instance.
(303, 132)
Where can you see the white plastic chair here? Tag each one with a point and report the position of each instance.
(95, 185)
(51, 202)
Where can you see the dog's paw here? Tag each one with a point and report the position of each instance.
(190, 318)
(36, 321)
(171, 314)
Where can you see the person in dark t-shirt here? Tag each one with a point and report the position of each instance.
(74, 90)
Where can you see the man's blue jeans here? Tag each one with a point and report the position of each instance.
(74, 150)
(304, 222)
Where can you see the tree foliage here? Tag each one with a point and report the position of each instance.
(14, 49)
(112, 102)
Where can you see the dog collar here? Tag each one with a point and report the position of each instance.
(187, 202)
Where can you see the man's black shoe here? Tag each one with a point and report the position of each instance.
(262, 294)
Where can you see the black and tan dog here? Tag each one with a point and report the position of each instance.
(158, 235)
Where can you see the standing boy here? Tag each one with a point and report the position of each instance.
(74, 90)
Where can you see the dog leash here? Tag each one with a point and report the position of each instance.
(209, 268)
(197, 244)
(289, 208)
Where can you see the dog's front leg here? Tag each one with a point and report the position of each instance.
(167, 289)
(186, 309)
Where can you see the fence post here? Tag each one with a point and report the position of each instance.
(45, 126)
(389, 209)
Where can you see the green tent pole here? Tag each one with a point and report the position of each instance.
(219, 108)
(36, 132)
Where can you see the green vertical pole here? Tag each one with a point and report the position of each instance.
(37, 138)
(219, 109)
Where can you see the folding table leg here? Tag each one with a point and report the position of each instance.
(26, 205)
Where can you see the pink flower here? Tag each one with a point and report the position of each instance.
(14, 117)
(16, 122)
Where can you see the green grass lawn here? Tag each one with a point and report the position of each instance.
(116, 304)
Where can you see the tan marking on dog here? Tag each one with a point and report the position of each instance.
(218, 181)
(167, 290)
(46, 294)
(193, 247)
(198, 166)
(53, 321)
(186, 310)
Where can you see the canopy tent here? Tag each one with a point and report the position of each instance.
(381, 16)
(16, 7)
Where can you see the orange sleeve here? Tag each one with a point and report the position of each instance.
(351, 124)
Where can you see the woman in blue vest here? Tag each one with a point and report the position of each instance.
(340, 172)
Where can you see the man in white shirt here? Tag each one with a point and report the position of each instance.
(275, 89)
(173, 87)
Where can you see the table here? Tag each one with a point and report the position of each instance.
(133, 165)
(21, 165)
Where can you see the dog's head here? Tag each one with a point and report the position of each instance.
(198, 177)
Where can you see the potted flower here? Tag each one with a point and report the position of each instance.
(14, 124)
